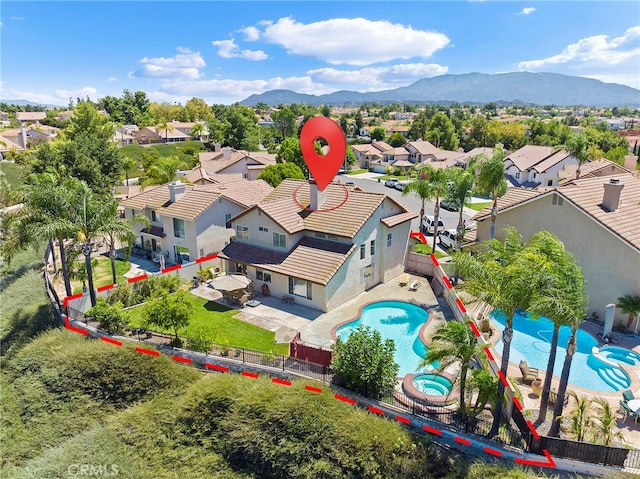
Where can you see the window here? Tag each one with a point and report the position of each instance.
(332, 237)
(557, 200)
(550, 183)
(263, 276)
(178, 228)
(242, 232)
(279, 241)
(372, 249)
(299, 287)
(263, 229)
(227, 217)
(535, 174)
(320, 235)
(153, 216)
(518, 175)
(389, 236)
(363, 251)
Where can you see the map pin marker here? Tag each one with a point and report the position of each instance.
(323, 167)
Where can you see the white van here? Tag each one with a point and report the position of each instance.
(428, 224)
(448, 238)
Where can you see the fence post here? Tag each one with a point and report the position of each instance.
(243, 355)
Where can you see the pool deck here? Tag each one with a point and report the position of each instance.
(315, 328)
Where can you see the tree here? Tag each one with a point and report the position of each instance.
(162, 170)
(580, 418)
(87, 120)
(290, 152)
(112, 317)
(128, 162)
(197, 109)
(577, 146)
(396, 140)
(364, 363)
(484, 385)
(491, 180)
(454, 342)
(326, 111)
(442, 133)
(169, 312)
(630, 305)
(437, 180)
(421, 186)
(378, 133)
(501, 277)
(275, 174)
(197, 130)
(350, 157)
(460, 189)
(605, 423)
(285, 121)
(164, 126)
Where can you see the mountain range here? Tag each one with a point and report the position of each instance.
(476, 88)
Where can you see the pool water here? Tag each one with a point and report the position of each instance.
(432, 384)
(620, 355)
(532, 343)
(398, 321)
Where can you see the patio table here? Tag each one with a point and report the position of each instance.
(634, 405)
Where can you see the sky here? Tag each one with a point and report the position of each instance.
(223, 52)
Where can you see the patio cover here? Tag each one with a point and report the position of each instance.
(230, 282)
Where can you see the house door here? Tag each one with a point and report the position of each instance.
(153, 245)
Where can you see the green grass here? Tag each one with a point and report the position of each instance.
(400, 178)
(215, 322)
(356, 172)
(186, 151)
(102, 273)
(479, 206)
(426, 249)
(14, 173)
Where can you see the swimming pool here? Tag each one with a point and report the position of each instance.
(395, 320)
(620, 355)
(532, 342)
(432, 384)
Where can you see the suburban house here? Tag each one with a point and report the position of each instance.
(320, 248)
(199, 176)
(464, 159)
(369, 153)
(123, 136)
(4, 118)
(601, 167)
(35, 116)
(36, 133)
(420, 151)
(190, 221)
(7, 144)
(597, 218)
(176, 131)
(228, 160)
(64, 115)
(533, 165)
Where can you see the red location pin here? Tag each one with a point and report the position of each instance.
(323, 167)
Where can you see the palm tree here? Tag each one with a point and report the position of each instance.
(605, 423)
(484, 384)
(454, 342)
(165, 125)
(127, 164)
(501, 277)
(630, 305)
(577, 145)
(491, 180)
(421, 187)
(580, 418)
(162, 171)
(460, 193)
(197, 130)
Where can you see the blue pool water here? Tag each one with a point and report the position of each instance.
(532, 342)
(620, 355)
(432, 384)
(398, 321)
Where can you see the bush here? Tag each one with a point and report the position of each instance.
(112, 318)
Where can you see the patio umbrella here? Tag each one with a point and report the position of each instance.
(230, 282)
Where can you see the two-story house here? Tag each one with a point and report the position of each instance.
(533, 165)
(598, 220)
(190, 221)
(229, 161)
(320, 248)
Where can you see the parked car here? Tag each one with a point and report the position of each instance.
(391, 182)
(428, 224)
(448, 238)
(399, 186)
(449, 205)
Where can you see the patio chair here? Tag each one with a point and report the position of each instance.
(628, 412)
(405, 279)
(414, 286)
(628, 395)
(528, 374)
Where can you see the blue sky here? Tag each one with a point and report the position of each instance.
(225, 51)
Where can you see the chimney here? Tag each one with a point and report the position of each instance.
(611, 197)
(317, 197)
(630, 162)
(226, 153)
(176, 190)
(23, 136)
(216, 148)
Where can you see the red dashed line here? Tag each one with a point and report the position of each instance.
(281, 381)
(345, 399)
(137, 278)
(549, 462)
(462, 440)
(171, 268)
(376, 410)
(180, 359)
(432, 430)
(216, 367)
(460, 305)
(435, 260)
(206, 258)
(503, 379)
(516, 401)
(487, 351)
(105, 288)
(147, 351)
(249, 375)
(67, 324)
(70, 298)
(488, 450)
(403, 420)
(474, 329)
(533, 430)
(447, 282)
(111, 341)
(549, 458)
(312, 389)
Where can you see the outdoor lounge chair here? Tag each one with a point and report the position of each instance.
(628, 412)
(405, 279)
(528, 374)
(628, 395)
(414, 286)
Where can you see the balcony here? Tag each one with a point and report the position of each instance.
(157, 231)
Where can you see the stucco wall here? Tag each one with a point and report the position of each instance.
(610, 266)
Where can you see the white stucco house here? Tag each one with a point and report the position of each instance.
(533, 165)
(316, 248)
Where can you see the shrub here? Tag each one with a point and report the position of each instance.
(112, 318)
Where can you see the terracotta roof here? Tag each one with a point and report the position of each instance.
(512, 197)
(394, 220)
(601, 167)
(381, 145)
(534, 155)
(312, 259)
(402, 163)
(400, 150)
(244, 192)
(31, 115)
(552, 160)
(197, 174)
(424, 147)
(6, 144)
(482, 150)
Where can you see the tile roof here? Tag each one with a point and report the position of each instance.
(6, 144)
(601, 167)
(31, 115)
(394, 220)
(380, 145)
(535, 155)
(312, 259)
(424, 147)
(512, 197)
(343, 213)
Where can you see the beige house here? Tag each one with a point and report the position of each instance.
(30, 116)
(533, 165)
(320, 249)
(190, 221)
(229, 161)
(598, 220)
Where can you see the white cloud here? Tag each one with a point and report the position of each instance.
(18, 19)
(527, 10)
(112, 79)
(60, 97)
(598, 57)
(354, 41)
(376, 78)
(251, 34)
(229, 49)
(186, 65)
(79, 92)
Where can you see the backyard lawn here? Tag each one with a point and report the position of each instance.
(479, 206)
(426, 249)
(216, 323)
(102, 272)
